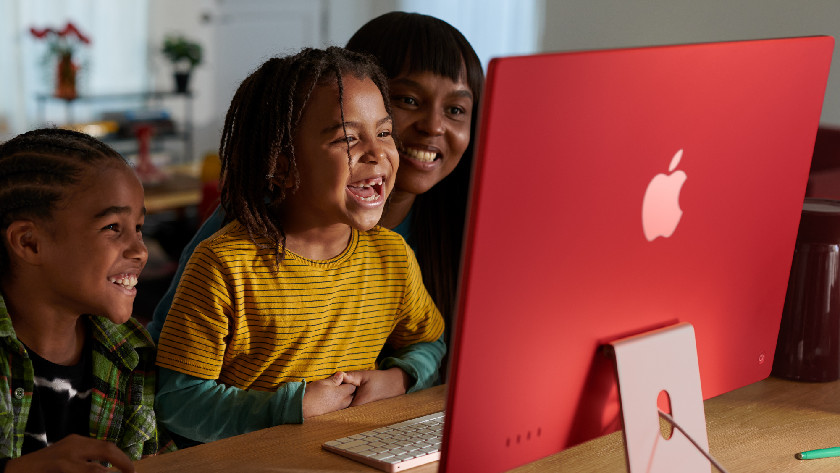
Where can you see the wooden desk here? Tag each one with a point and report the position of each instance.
(297, 447)
(182, 189)
(757, 428)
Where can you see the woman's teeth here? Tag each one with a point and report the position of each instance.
(420, 155)
(127, 281)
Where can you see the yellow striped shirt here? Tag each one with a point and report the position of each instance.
(236, 318)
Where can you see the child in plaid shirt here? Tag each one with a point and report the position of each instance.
(77, 378)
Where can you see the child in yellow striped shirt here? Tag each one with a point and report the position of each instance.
(281, 315)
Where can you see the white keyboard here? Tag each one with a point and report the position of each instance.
(395, 447)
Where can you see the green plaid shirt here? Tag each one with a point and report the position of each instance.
(123, 395)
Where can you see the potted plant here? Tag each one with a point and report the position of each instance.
(185, 55)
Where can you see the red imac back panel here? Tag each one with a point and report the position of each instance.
(616, 192)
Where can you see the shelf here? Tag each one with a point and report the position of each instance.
(147, 95)
(137, 101)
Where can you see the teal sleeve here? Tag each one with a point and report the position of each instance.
(421, 361)
(206, 410)
(210, 226)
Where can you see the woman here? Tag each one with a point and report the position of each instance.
(435, 81)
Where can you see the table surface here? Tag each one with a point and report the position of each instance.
(758, 428)
(181, 189)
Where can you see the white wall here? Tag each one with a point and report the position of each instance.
(199, 19)
(569, 25)
(595, 24)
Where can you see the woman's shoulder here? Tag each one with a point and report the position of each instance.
(379, 233)
(381, 239)
(231, 234)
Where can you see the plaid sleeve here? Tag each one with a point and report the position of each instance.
(123, 396)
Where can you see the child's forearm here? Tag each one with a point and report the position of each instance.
(205, 410)
(421, 361)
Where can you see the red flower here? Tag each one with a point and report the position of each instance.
(71, 28)
(40, 33)
(60, 40)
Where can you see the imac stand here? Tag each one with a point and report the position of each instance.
(648, 364)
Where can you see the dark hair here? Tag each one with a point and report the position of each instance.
(412, 42)
(257, 148)
(39, 168)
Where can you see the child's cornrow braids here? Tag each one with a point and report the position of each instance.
(38, 169)
(257, 145)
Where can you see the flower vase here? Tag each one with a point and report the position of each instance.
(146, 170)
(65, 81)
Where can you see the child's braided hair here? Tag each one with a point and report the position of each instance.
(39, 169)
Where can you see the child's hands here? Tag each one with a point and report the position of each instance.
(327, 395)
(72, 454)
(377, 384)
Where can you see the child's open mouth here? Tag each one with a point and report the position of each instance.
(367, 190)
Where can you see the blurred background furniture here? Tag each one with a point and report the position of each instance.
(115, 118)
(824, 179)
(808, 347)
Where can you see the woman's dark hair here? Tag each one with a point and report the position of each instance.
(257, 146)
(39, 169)
(406, 43)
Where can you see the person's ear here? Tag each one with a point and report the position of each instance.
(289, 182)
(277, 182)
(22, 241)
(281, 176)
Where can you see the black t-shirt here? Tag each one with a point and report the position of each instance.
(60, 402)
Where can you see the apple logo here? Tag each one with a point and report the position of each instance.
(661, 212)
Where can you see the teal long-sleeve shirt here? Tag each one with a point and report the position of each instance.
(219, 411)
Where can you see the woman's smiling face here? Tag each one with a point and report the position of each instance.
(432, 117)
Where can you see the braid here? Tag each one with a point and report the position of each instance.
(257, 146)
(38, 169)
(340, 83)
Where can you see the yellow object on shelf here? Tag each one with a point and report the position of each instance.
(211, 168)
(97, 129)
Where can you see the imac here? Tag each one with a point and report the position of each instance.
(619, 193)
